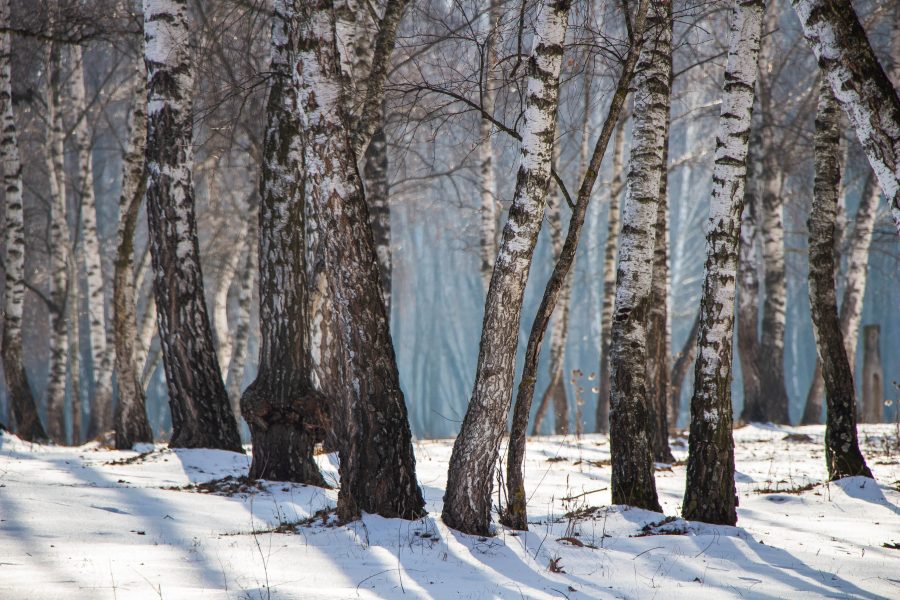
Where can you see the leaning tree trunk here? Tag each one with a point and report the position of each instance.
(361, 383)
(842, 455)
(748, 289)
(610, 252)
(632, 479)
(873, 376)
(860, 85)
(101, 365)
(280, 406)
(515, 514)
(490, 207)
(59, 253)
(657, 365)
(24, 411)
(710, 494)
(132, 426)
(467, 501)
(201, 416)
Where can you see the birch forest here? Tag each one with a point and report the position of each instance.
(526, 281)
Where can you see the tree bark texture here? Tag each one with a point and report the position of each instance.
(842, 454)
(24, 412)
(101, 365)
(860, 85)
(710, 494)
(361, 383)
(610, 251)
(467, 501)
(131, 421)
(201, 416)
(632, 481)
(873, 376)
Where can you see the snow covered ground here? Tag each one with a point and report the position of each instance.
(93, 523)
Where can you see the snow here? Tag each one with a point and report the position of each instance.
(81, 523)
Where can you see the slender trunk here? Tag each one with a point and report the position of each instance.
(710, 494)
(490, 207)
(657, 365)
(683, 362)
(132, 426)
(842, 455)
(145, 333)
(378, 195)
(221, 331)
(245, 298)
(24, 411)
(873, 376)
(860, 85)
(632, 479)
(515, 515)
(467, 501)
(361, 383)
(201, 416)
(101, 367)
(748, 286)
(74, 343)
(610, 252)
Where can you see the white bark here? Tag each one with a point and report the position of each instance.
(227, 275)
(490, 207)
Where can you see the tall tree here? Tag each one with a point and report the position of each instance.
(710, 491)
(860, 85)
(24, 411)
(201, 416)
(361, 381)
(632, 479)
(467, 501)
(842, 454)
(280, 406)
(490, 207)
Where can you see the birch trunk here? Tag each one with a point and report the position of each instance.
(378, 195)
(74, 343)
(280, 406)
(872, 376)
(145, 333)
(201, 416)
(221, 331)
(490, 207)
(101, 365)
(24, 412)
(860, 85)
(842, 455)
(467, 501)
(710, 491)
(632, 481)
(249, 269)
(132, 426)
(683, 362)
(59, 253)
(609, 280)
(515, 515)
(362, 385)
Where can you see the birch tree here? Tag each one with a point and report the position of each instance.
(860, 85)
(490, 208)
(24, 411)
(201, 416)
(842, 454)
(710, 494)
(467, 502)
(280, 406)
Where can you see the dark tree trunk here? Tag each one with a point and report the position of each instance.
(280, 407)
(842, 455)
(710, 494)
(201, 415)
(683, 363)
(873, 376)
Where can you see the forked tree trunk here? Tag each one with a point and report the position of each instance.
(842, 455)
(131, 422)
(873, 376)
(632, 480)
(467, 501)
(101, 365)
(27, 422)
(860, 85)
(515, 514)
(710, 494)
(201, 416)
(361, 383)
(490, 207)
(610, 252)
(281, 408)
